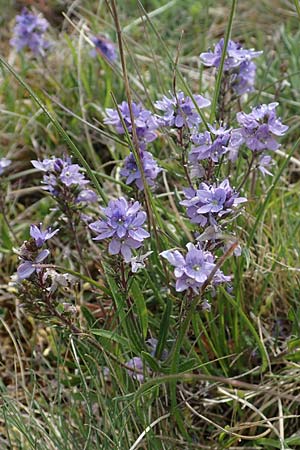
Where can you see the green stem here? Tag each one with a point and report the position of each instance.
(220, 70)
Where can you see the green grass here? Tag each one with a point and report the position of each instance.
(232, 376)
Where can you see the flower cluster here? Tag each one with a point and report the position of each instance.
(194, 269)
(4, 162)
(180, 110)
(123, 226)
(238, 65)
(207, 147)
(145, 122)
(29, 32)
(260, 128)
(104, 47)
(210, 202)
(40, 295)
(131, 172)
(65, 180)
(30, 253)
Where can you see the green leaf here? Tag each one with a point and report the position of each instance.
(293, 344)
(295, 357)
(152, 363)
(188, 365)
(269, 443)
(126, 321)
(111, 335)
(91, 320)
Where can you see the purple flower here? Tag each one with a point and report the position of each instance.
(41, 236)
(104, 47)
(27, 268)
(29, 32)
(260, 128)
(234, 144)
(245, 78)
(47, 165)
(87, 196)
(205, 305)
(235, 55)
(264, 163)
(65, 180)
(208, 147)
(152, 343)
(123, 225)
(71, 174)
(193, 270)
(146, 124)
(131, 171)
(239, 68)
(4, 162)
(29, 251)
(210, 202)
(180, 110)
(137, 364)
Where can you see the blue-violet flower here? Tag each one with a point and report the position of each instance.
(131, 171)
(104, 47)
(27, 268)
(260, 128)
(205, 147)
(123, 225)
(145, 122)
(210, 202)
(41, 236)
(29, 32)
(65, 180)
(180, 110)
(238, 65)
(193, 270)
(264, 163)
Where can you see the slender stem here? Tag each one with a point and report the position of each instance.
(210, 169)
(248, 172)
(183, 156)
(253, 183)
(220, 70)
